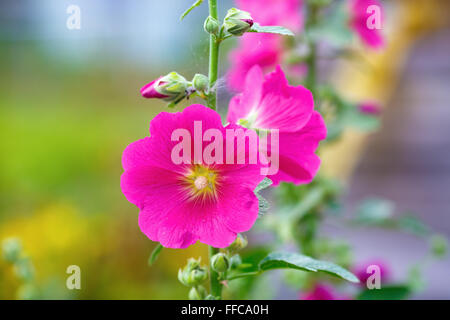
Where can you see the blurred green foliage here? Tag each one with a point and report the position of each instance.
(63, 130)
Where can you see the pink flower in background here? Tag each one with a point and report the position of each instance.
(182, 203)
(361, 271)
(370, 108)
(322, 292)
(286, 13)
(264, 50)
(269, 102)
(372, 38)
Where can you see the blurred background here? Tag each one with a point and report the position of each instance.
(70, 104)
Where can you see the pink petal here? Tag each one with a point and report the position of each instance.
(280, 106)
(298, 162)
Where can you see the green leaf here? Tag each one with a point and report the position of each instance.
(375, 211)
(155, 254)
(360, 121)
(271, 29)
(334, 29)
(194, 5)
(413, 225)
(262, 202)
(286, 260)
(398, 292)
(263, 184)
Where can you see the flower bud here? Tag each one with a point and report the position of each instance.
(211, 25)
(200, 82)
(238, 244)
(198, 293)
(170, 87)
(237, 22)
(192, 274)
(11, 249)
(220, 262)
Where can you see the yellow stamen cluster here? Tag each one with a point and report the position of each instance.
(201, 182)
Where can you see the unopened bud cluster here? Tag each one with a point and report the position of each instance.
(192, 274)
(235, 23)
(173, 87)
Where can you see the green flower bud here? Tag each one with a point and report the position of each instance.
(198, 293)
(237, 22)
(11, 248)
(211, 25)
(238, 244)
(200, 82)
(439, 245)
(192, 274)
(170, 87)
(220, 262)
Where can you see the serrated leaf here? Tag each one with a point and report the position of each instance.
(386, 293)
(286, 260)
(155, 254)
(263, 184)
(263, 204)
(194, 5)
(271, 29)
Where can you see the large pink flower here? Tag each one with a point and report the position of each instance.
(269, 102)
(264, 50)
(359, 23)
(182, 203)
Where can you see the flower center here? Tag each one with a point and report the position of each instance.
(249, 121)
(201, 181)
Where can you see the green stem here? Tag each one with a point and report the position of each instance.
(215, 285)
(213, 59)
(311, 61)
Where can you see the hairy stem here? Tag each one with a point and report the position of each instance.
(213, 59)
(216, 286)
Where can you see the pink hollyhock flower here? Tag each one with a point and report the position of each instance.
(149, 90)
(169, 87)
(370, 108)
(180, 204)
(372, 38)
(264, 50)
(361, 271)
(269, 102)
(285, 13)
(322, 292)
